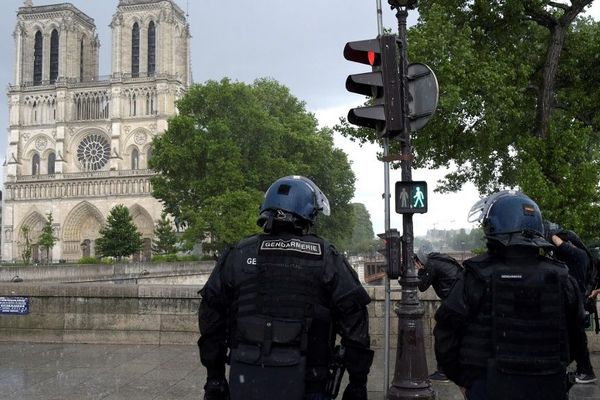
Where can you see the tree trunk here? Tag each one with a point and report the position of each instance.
(546, 93)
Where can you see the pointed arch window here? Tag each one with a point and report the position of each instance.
(53, 56)
(38, 48)
(135, 159)
(135, 50)
(151, 48)
(81, 61)
(51, 163)
(35, 164)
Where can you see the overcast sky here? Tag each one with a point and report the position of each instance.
(298, 43)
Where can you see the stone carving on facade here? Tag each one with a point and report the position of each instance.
(140, 138)
(41, 143)
(152, 127)
(54, 134)
(26, 136)
(126, 128)
(8, 234)
(117, 20)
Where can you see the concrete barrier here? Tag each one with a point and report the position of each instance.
(150, 314)
(178, 273)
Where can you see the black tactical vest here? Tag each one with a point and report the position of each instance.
(519, 335)
(279, 306)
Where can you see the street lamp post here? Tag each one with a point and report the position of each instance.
(410, 374)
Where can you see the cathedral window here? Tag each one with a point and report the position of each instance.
(51, 162)
(93, 152)
(35, 164)
(37, 58)
(53, 56)
(151, 49)
(135, 50)
(81, 61)
(135, 159)
(34, 111)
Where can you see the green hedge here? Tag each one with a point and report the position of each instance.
(173, 258)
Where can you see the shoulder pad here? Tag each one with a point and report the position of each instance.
(479, 266)
(247, 241)
(552, 260)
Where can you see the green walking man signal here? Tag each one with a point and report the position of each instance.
(411, 197)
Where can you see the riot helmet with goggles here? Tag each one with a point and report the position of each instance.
(292, 200)
(511, 218)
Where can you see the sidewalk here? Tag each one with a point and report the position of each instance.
(132, 372)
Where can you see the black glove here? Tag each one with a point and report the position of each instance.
(216, 389)
(355, 392)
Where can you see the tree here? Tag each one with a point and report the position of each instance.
(229, 142)
(164, 237)
(119, 237)
(363, 239)
(518, 102)
(26, 244)
(47, 240)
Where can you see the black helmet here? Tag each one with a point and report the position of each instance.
(292, 199)
(511, 218)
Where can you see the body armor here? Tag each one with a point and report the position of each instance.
(519, 334)
(279, 307)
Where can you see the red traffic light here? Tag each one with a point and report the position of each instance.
(364, 52)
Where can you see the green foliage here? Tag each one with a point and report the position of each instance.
(174, 258)
(47, 240)
(88, 260)
(363, 239)
(165, 238)
(119, 237)
(493, 61)
(26, 244)
(229, 142)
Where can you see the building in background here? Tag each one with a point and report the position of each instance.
(79, 143)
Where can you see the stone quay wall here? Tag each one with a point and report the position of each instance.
(152, 314)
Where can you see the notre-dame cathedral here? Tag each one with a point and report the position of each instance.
(79, 143)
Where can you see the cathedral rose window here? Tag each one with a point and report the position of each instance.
(93, 152)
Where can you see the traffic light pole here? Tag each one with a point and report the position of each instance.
(410, 374)
(387, 226)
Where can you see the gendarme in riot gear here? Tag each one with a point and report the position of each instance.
(275, 302)
(505, 330)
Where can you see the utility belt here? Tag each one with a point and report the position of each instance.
(269, 360)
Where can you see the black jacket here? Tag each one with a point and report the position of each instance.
(338, 290)
(441, 271)
(577, 260)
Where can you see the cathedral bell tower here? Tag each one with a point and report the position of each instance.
(80, 143)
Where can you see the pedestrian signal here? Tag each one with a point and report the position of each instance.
(411, 197)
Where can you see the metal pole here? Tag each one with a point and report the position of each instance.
(410, 375)
(386, 185)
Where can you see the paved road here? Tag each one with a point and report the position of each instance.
(130, 372)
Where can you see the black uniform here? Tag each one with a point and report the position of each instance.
(505, 330)
(578, 261)
(441, 271)
(277, 301)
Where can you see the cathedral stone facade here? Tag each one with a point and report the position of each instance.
(79, 143)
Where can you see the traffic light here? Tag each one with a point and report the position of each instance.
(411, 197)
(383, 84)
(392, 252)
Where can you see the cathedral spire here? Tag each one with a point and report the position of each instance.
(28, 3)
